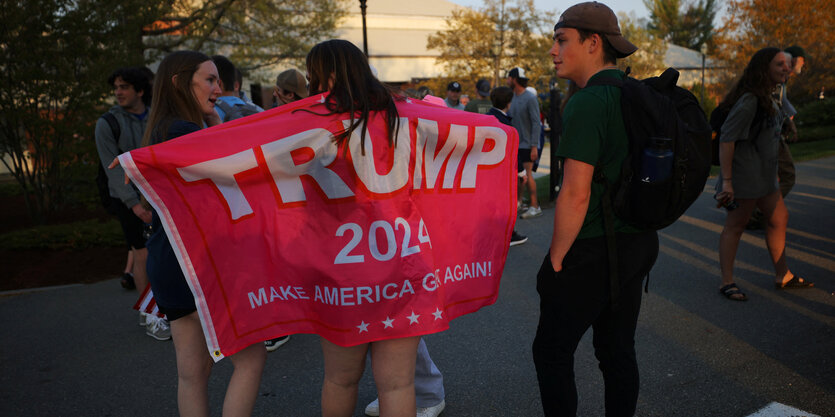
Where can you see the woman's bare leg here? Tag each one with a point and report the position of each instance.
(193, 366)
(245, 381)
(393, 362)
(729, 239)
(777, 220)
(343, 369)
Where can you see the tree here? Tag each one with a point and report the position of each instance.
(52, 57)
(754, 24)
(648, 60)
(55, 55)
(252, 33)
(481, 43)
(687, 23)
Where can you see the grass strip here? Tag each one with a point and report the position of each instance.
(77, 235)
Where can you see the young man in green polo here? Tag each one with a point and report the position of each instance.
(574, 281)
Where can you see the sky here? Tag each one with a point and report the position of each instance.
(617, 5)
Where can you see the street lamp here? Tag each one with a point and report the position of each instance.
(364, 34)
(496, 47)
(496, 50)
(704, 53)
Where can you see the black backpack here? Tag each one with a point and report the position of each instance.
(101, 176)
(236, 111)
(655, 107)
(717, 119)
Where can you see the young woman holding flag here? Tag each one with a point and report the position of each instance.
(185, 92)
(341, 69)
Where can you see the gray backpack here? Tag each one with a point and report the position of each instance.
(236, 111)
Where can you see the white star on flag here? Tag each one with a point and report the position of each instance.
(409, 101)
(387, 322)
(437, 313)
(322, 98)
(413, 318)
(363, 327)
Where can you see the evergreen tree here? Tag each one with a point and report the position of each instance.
(687, 23)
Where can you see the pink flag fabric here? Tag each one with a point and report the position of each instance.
(279, 231)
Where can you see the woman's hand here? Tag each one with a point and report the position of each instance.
(727, 194)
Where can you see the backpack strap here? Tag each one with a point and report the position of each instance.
(610, 81)
(227, 109)
(609, 230)
(101, 175)
(609, 210)
(114, 127)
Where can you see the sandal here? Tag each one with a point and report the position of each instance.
(732, 292)
(795, 282)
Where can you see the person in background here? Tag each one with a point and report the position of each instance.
(482, 104)
(796, 57)
(424, 91)
(290, 86)
(132, 89)
(453, 96)
(500, 99)
(524, 113)
(230, 105)
(748, 169)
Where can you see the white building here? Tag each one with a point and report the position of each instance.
(397, 34)
(689, 63)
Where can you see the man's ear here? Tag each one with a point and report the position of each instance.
(174, 79)
(594, 42)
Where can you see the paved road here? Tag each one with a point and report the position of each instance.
(77, 351)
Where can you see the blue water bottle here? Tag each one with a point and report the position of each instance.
(657, 161)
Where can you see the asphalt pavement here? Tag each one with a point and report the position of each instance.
(78, 351)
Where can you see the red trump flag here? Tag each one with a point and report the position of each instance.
(280, 230)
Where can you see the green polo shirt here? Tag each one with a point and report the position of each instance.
(593, 132)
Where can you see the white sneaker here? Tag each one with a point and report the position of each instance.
(142, 316)
(373, 409)
(532, 212)
(157, 328)
(433, 411)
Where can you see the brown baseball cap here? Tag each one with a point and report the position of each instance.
(293, 80)
(597, 17)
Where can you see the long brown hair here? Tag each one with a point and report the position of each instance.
(355, 89)
(755, 80)
(173, 99)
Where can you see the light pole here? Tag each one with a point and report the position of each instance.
(364, 34)
(498, 44)
(496, 49)
(704, 53)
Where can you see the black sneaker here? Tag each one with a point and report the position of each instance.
(274, 344)
(517, 239)
(127, 281)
